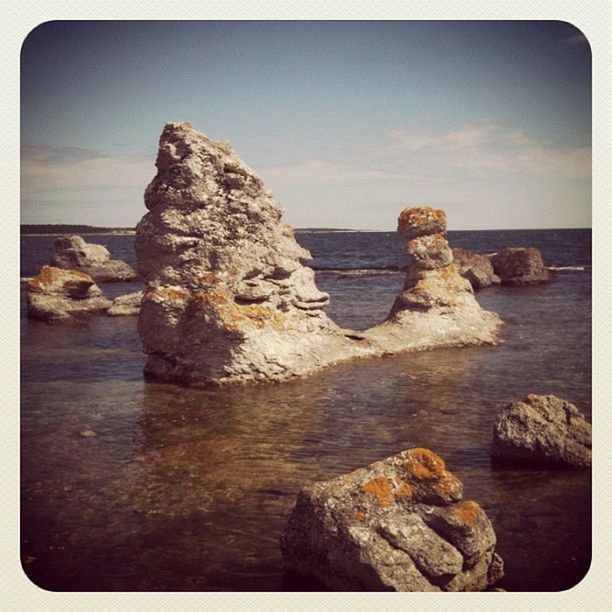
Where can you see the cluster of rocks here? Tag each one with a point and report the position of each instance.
(510, 266)
(230, 299)
(542, 430)
(73, 253)
(59, 295)
(400, 524)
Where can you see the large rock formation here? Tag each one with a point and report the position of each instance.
(542, 430)
(73, 253)
(56, 294)
(476, 268)
(228, 296)
(398, 524)
(520, 266)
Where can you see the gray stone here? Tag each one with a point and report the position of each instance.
(476, 268)
(229, 299)
(56, 294)
(398, 524)
(73, 253)
(126, 305)
(520, 266)
(542, 430)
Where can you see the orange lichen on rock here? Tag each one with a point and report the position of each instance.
(49, 275)
(424, 464)
(381, 488)
(421, 220)
(360, 515)
(404, 490)
(169, 293)
(467, 512)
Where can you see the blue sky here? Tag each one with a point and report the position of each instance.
(346, 122)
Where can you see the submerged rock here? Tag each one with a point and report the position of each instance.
(73, 253)
(56, 294)
(126, 305)
(520, 266)
(476, 268)
(398, 524)
(229, 297)
(542, 430)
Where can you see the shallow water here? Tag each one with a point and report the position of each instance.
(183, 489)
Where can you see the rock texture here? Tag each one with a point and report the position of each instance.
(126, 305)
(56, 294)
(476, 268)
(229, 297)
(437, 306)
(398, 524)
(73, 253)
(542, 430)
(520, 266)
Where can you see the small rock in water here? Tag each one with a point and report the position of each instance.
(88, 433)
(542, 430)
(73, 253)
(520, 266)
(396, 525)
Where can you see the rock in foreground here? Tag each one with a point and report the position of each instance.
(229, 297)
(56, 294)
(520, 266)
(73, 253)
(542, 430)
(396, 525)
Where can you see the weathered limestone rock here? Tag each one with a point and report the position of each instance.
(73, 253)
(542, 430)
(126, 305)
(398, 524)
(437, 306)
(520, 266)
(56, 294)
(228, 296)
(476, 268)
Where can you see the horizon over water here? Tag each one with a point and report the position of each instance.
(185, 489)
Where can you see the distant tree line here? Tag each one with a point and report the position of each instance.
(70, 229)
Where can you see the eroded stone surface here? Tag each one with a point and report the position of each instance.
(398, 524)
(542, 430)
(56, 294)
(476, 268)
(73, 253)
(520, 266)
(229, 297)
(126, 305)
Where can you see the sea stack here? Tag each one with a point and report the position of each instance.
(437, 306)
(229, 297)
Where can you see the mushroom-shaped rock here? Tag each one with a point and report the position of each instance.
(73, 253)
(542, 430)
(56, 294)
(398, 524)
(520, 266)
(437, 306)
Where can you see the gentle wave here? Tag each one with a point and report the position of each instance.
(568, 268)
(360, 271)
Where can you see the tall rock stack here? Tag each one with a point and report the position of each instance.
(437, 306)
(228, 296)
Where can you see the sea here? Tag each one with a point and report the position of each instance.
(132, 485)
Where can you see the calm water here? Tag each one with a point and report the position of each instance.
(185, 489)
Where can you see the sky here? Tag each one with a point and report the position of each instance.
(347, 122)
